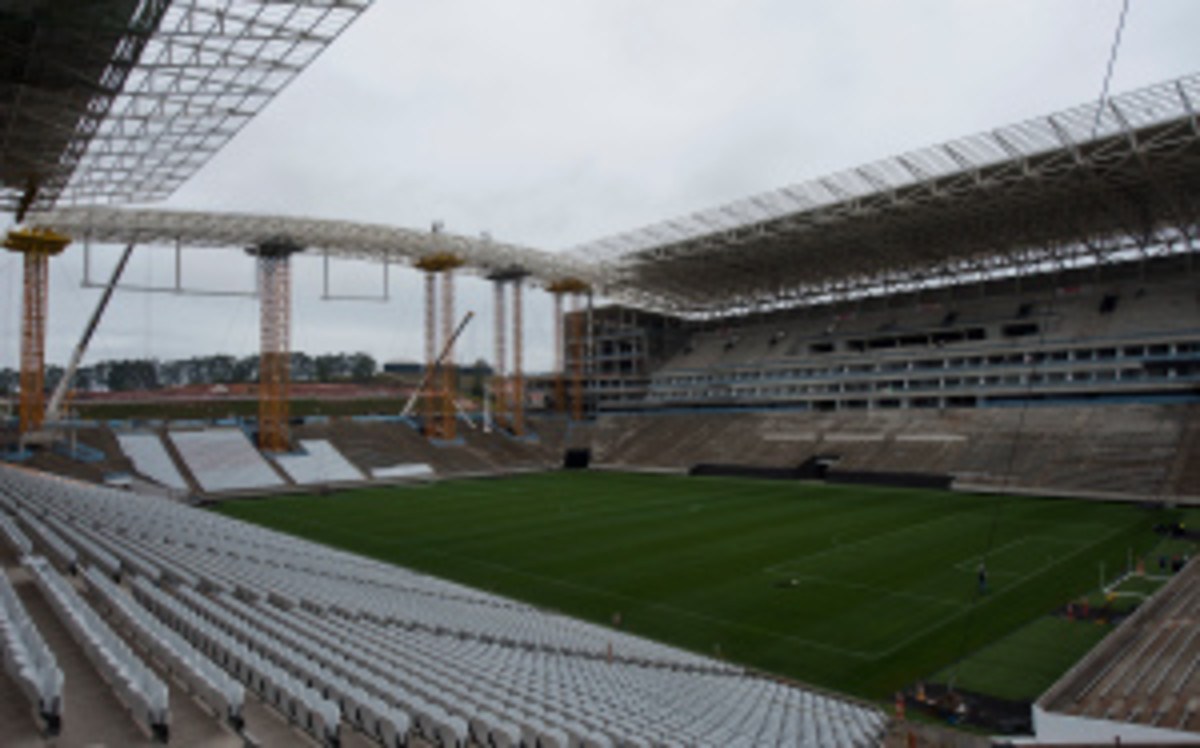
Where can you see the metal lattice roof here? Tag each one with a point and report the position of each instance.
(110, 101)
(1095, 179)
(345, 239)
(1091, 184)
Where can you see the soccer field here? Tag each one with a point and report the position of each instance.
(860, 589)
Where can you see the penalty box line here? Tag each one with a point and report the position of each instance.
(971, 563)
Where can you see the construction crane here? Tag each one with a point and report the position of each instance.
(54, 407)
(425, 381)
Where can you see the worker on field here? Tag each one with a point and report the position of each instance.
(983, 585)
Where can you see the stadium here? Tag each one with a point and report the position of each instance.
(905, 454)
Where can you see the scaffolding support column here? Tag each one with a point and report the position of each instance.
(518, 373)
(577, 357)
(439, 409)
(499, 381)
(574, 287)
(508, 382)
(449, 375)
(37, 246)
(275, 338)
(589, 349)
(560, 387)
(33, 342)
(429, 400)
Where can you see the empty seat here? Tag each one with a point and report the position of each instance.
(27, 659)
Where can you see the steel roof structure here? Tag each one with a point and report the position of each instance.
(345, 239)
(111, 101)
(1099, 182)
(1094, 182)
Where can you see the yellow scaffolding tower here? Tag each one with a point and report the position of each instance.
(275, 335)
(438, 399)
(575, 288)
(37, 246)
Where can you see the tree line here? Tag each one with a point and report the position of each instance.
(151, 374)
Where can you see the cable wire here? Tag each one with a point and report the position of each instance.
(1112, 61)
(1019, 431)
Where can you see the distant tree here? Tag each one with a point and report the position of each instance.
(8, 381)
(133, 374)
(246, 369)
(218, 369)
(326, 367)
(83, 379)
(54, 375)
(145, 374)
(174, 373)
(362, 367)
(303, 367)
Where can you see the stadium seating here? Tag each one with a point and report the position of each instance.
(62, 551)
(150, 459)
(336, 641)
(13, 535)
(138, 686)
(319, 462)
(1144, 673)
(947, 348)
(223, 459)
(392, 448)
(212, 685)
(1120, 451)
(27, 659)
(416, 470)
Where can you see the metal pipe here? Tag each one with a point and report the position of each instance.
(60, 391)
(412, 400)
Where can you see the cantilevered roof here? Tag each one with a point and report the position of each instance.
(1085, 185)
(346, 239)
(108, 101)
(1093, 180)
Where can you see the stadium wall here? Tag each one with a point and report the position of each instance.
(1130, 452)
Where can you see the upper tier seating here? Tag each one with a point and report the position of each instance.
(320, 462)
(224, 459)
(150, 459)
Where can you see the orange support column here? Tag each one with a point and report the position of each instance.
(560, 386)
(439, 411)
(429, 398)
(518, 374)
(576, 357)
(33, 342)
(275, 336)
(575, 287)
(508, 382)
(499, 380)
(449, 373)
(37, 246)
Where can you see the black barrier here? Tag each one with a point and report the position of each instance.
(819, 468)
(814, 468)
(577, 459)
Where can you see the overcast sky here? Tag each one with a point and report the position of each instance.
(555, 122)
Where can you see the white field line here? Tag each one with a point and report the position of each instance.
(971, 563)
(1021, 580)
(782, 567)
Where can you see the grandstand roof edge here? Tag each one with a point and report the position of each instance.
(645, 241)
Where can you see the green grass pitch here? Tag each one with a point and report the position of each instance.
(860, 589)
